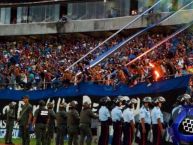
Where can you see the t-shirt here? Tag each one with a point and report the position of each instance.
(24, 114)
(61, 118)
(41, 115)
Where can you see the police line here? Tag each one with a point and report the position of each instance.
(168, 88)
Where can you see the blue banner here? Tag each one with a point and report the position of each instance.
(91, 89)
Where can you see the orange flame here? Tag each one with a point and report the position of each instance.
(152, 65)
(157, 75)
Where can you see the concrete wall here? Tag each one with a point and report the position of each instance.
(184, 16)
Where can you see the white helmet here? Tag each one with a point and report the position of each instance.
(147, 99)
(126, 98)
(133, 101)
(160, 99)
(186, 96)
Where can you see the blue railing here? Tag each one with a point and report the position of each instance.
(92, 89)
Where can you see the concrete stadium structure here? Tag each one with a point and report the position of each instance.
(79, 24)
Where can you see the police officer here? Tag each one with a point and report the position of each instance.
(157, 121)
(25, 120)
(186, 99)
(129, 122)
(73, 123)
(61, 120)
(10, 117)
(145, 120)
(104, 117)
(117, 118)
(191, 100)
(51, 124)
(181, 100)
(184, 111)
(174, 113)
(177, 106)
(123, 99)
(86, 115)
(40, 121)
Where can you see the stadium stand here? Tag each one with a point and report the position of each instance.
(42, 63)
(30, 64)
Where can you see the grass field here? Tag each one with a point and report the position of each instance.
(32, 142)
(17, 141)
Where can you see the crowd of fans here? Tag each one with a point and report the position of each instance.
(41, 64)
(172, 59)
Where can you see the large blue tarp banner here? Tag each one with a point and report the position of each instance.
(91, 89)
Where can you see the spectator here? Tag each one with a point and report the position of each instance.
(42, 64)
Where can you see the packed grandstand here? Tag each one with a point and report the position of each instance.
(28, 64)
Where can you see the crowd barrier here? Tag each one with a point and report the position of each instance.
(91, 89)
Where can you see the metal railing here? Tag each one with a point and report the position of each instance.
(42, 85)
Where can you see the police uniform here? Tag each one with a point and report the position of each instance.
(41, 122)
(181, 100)
(51, 124)
(117, 117)
(183, 127)
(145, 115)
(156, 114)
(156, 127)
(73, 124)
(104, 117)
(24, 120)
(129, 121)
(61, 119)
(86, 115)
(10, 117)
(175, 111)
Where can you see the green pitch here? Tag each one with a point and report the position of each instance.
(32, 142)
